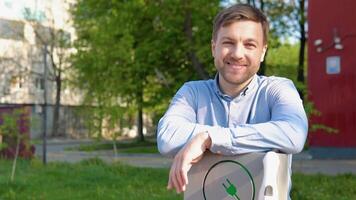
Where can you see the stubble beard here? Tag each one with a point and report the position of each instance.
(237, 78)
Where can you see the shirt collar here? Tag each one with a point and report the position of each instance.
(247, 90)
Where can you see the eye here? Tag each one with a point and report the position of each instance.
(250, 45)
(227, 42)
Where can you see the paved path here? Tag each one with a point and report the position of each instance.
(301, 163)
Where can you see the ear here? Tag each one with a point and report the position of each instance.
(213, 46)
(264, 50)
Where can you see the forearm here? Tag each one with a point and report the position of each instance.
(282, 135)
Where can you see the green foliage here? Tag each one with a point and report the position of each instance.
(282, 61)
(282, 22)
(101, 118)
(13, 121)
(136, 52)
(10, 124)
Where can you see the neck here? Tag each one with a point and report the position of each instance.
(231, 89)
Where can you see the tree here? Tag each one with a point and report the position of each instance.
(56, 44)
(159, 45)
(109, 74)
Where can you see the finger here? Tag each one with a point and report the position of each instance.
(186, 167)
(169, 184)
(179, 177)
(184, 175)
(173, 177)
(170, 181)
(183, 188)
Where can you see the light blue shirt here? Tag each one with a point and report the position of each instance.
(267, 115)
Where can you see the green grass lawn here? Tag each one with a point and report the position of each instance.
(90, 179)
(122, 147)
(93, 179)
(341, 187)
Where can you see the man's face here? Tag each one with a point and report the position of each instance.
(238, 51)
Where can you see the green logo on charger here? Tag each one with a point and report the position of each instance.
(231, 190)
(229, 187)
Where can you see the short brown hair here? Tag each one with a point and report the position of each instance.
(240, 12)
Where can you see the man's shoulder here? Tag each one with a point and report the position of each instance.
(200, 84)
(196, 89)
(278, 87)
(273, 80)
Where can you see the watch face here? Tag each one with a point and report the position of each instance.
(228, 179)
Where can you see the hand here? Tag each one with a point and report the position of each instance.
(191, 153)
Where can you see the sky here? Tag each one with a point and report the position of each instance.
(15, 9)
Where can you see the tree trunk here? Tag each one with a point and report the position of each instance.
(55, 126)
(251, 2)
(140, 115)
(262, 5)
(101, 121)
(197, 65)
(302, 40)
(114, 146)
(301, 77)
(18, 140)
(263, 66)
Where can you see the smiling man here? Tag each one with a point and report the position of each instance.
(238, 111)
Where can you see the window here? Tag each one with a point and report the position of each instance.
(34, 14)
(17, 82)
(10, 29)
(39, 83)
(58, 38)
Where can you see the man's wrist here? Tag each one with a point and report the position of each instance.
(207, 139)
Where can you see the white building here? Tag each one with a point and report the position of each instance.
(26, 28)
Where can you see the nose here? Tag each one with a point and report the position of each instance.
(238, 51)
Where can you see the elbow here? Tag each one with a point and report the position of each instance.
(296, 148)
(164, 145)
(165, 149)
(298, 141)
(293, 148)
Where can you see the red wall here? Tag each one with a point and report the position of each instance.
(334, 95)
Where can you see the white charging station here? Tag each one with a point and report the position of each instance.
(254, 176)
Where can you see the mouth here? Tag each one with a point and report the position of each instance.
(236, 65)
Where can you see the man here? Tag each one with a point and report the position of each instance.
(237, 112)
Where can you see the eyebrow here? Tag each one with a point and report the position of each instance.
(248, 39)
(252, 40)
(227, 38)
